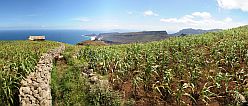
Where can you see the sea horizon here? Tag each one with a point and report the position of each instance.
(69, 36)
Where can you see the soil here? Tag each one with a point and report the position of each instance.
(153, 98)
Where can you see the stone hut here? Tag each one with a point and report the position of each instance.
(37, 38)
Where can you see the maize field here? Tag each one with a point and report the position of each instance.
(191, 70)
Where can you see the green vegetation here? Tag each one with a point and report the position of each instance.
(210, 68)
(71, 88)
(190, 70)
(18, 59)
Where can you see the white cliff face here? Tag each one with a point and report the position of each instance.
(35, 90)
(93, 38)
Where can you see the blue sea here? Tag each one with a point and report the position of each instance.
(66, 36)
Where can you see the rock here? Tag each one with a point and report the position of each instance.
(93, 79)
(42, 85)
(44, 103)
(32, 99)
(39, 80)
(32, 88)
(47, 68)
(37, 101)
(31, 74)
(39, 98)
(39, 69)
(42, 75)
(43, 94)
(49, 97)
(35, 85)
(89, 71)
(46, 81)
(41, 62)
(25, 90)
(242, 98)
(84, 74)
(24, 83)
(21, 94)
(39, 89)
(35, 92)
(23, 103)
(29, 81)
(91, 75)
(25, 100)
(60, 57)
(33, 78)
(36, 95)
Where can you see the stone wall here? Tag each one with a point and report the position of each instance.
(35, 90)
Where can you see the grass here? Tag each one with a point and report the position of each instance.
(71, 88)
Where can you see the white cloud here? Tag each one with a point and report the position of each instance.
(202, 14)
(228, 19)
(169, 20)
(189, 18)
(82, 19)
(150, 13)
(202, 20)
(233, 4)
(196, 20)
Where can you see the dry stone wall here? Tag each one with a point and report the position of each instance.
(35, 90)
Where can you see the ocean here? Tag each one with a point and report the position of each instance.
(66, 36)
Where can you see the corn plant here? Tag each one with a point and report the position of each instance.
(207, 63)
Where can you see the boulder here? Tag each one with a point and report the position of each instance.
(25, 90)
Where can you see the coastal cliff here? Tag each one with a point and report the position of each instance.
(130, 37)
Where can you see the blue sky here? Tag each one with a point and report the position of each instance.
(170, 15)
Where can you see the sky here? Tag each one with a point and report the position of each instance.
(140, 15)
